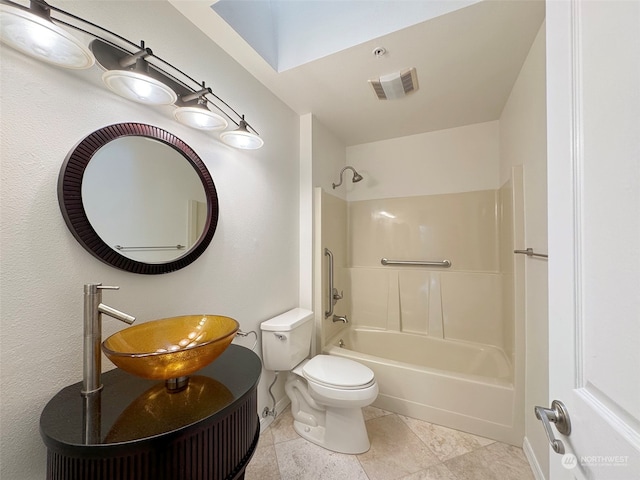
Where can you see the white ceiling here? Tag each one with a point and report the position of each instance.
(467, 61)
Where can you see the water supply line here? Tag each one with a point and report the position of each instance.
(242, 334)
(267, 412)
(271, 412)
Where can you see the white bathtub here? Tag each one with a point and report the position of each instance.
(461, 385)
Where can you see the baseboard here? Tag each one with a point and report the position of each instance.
(533, 461)
(280, 407)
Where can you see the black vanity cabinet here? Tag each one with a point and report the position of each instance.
(134, 429)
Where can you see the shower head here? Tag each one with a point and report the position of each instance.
(356, 176)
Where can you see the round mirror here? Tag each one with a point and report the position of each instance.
(138, 198)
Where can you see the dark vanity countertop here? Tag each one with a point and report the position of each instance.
(133, 411)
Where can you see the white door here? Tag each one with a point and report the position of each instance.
(593, 89)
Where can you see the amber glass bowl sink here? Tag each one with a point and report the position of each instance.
(171, 347)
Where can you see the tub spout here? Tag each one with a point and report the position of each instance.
(340, 318)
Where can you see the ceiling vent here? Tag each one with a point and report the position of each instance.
(395, 85)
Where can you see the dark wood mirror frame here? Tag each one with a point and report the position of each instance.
(70, 197)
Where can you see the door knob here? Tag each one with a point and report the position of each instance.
(557, 414)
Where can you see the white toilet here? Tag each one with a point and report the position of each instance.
(327, 393)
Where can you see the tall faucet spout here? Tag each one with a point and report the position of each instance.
(92, 358)
(117, 314)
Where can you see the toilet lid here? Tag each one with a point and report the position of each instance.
(337, 371)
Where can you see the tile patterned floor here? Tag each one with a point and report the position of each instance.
(402, 448)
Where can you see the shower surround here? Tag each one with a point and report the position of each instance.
(461, 302)
(442, 341)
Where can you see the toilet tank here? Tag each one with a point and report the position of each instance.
(286, 339)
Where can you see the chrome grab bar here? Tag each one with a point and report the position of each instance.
(417, 263)
(530, 253)
(334, 296)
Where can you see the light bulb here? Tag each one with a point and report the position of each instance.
(139, 87)
(242, 138)
(199, 117)
(42, 39)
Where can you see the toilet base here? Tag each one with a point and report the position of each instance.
(344, 431)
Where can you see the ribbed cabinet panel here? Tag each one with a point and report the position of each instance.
(215, 450)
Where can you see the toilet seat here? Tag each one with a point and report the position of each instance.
(338, 373)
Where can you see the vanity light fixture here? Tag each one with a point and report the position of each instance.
(32, 32)
(131, 70)
(134, 82)
(195, 113)
(242, 137)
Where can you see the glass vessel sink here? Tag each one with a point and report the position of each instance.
(170, 348)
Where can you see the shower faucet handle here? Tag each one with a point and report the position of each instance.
(337, 296)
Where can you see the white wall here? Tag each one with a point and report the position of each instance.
(329, 157)
(306, 212)
(461, 159)
(322, 155)
(249, 272)
(523, 142)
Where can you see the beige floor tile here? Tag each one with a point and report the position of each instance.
(266, 438)
(471, 466)
(509, 462)
(373, 412)
(395, 450)
(437, 472)
(445, 442)
(302, 460)
(493, 462)
(482, 440)
(282, 427)
(264, 464)
(402, 448)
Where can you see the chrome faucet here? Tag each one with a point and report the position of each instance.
(340, 318)
(93, 310)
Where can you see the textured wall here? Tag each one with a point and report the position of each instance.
(249, 272)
